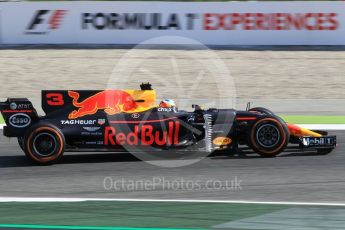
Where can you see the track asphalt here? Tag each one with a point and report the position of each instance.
(293, 176)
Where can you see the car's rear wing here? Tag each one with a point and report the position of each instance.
(19, 114)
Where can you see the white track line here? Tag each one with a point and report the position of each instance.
(308, 126)
(324, 126)
(52, 199)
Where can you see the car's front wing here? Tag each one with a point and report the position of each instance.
(323, 142)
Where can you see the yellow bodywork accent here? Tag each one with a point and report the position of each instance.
(298, 131)
(148, 97)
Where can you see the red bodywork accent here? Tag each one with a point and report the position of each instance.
(17, 111)
(245, 118)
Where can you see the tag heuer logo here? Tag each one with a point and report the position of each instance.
(101, 121)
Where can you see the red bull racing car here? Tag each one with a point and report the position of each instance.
(130, 120)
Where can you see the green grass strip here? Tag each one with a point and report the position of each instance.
(34, 226)
(126, 215)
(314, 119)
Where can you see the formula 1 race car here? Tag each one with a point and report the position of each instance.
(130, 120)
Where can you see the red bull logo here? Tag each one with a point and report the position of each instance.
(143, 135)
(111, 101)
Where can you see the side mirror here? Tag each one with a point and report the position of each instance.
(248, 106)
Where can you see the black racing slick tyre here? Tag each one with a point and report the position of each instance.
(261, 110)
(44, 144)
(269, 136)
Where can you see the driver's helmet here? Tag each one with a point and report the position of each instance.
(167, 103)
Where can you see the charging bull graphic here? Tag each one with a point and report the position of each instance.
(111, 101)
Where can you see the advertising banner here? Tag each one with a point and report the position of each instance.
(210, 23)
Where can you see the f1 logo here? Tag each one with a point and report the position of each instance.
(52, 18)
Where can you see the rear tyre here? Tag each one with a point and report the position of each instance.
(261, 110)
(269, 136)
(44, 144)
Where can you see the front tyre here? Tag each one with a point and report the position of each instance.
(269, 136)
(44, 144)
(261, 110)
